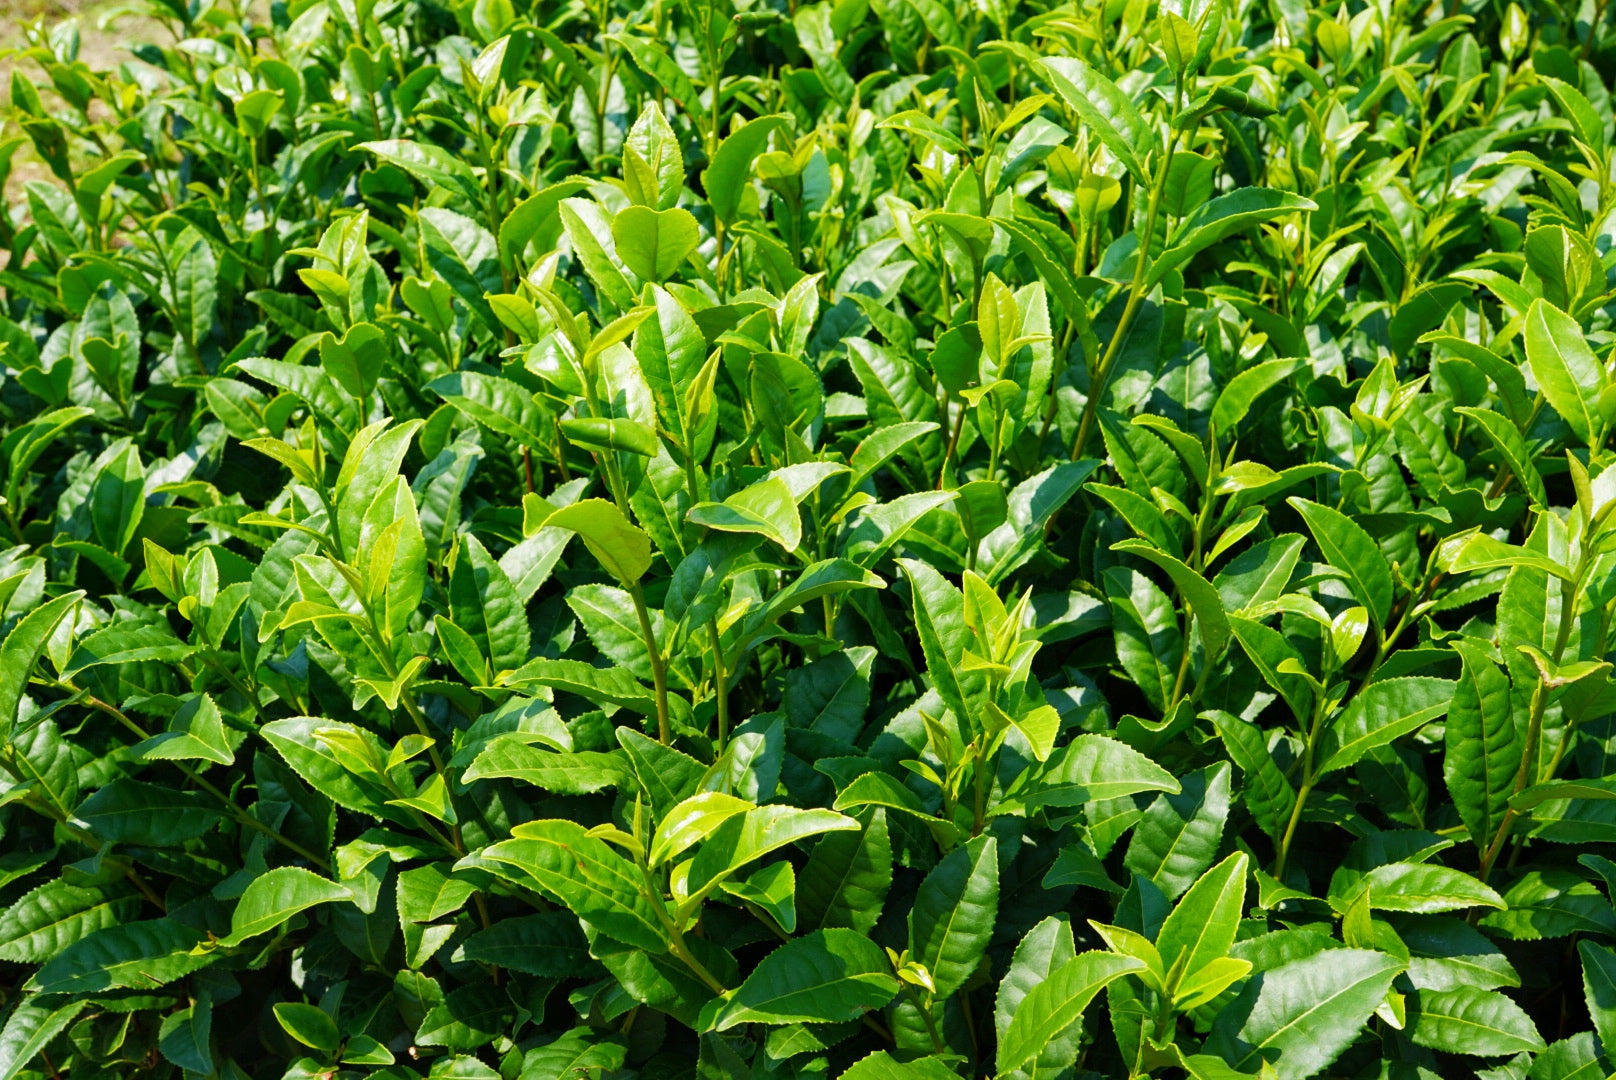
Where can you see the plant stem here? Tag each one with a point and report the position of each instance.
(659, 675)
(720, 685)
(1136, 295)
(1525, 775)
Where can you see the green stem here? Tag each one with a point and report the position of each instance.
(720, 685)
(980, 773)
(1136, 296)
(1525, 776)
(676, 940)
(659, 674)
(1320, 707)
(924, 1008)
(953, 444)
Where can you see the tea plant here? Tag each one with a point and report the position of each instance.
(892, 539)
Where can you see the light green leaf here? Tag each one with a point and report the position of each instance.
(274, 897)
(1220, 218)
(1466, 1020)
(1106, 110)
(1057, 1002)
(1305, 1012)
(1382, 713)
(1350, 549)
(1046, 948)
(1090, 768)
(602, 888)
(621, 547)
(953, 915)
(654, 243)
(823, 977)
(766, 508)
(1567, 372)
(1202, 927)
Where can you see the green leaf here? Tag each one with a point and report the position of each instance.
(1202, 927)
(766, 508)
(726, 177)
(1220, 218)
(692, 821)
(1599, 988)
(953, 915)
(771, 889)
(604, 686)
(1046, 948)
(1259, 575)
(1105, 110)
(561, 860)
(309, 1025)
(654, 243)
(130, 812)
(750, 836)
(587, 229)
(1585, 119)
(1567, 372)
(1145, 628)
(1424, 888)
(1203, 599)
(1304, 1013)
(137, 955)
(1264, 788)
(1482, 745)
(1382, 713)
(1507, 440)
(275, 897)
(580, 773)
(469, 1017)
(1268, 649)
(1177, 839)
(484, 604)
(127, 643)
(847, 877)
(822, 977)
(671, 353)
(1551, 904)
(884, 790)
(22, 649)
(1057, 1002)
(315, 761)
(667, 776)
(579, 1052)
(31, 1027)
(548, 944)
(1239, 393)
(939, 612)
(1090, 768)
(44, 921)
(1466, 1020)
(1351, 550)
(463, 253)
(498, 404)
(621, 547)
(432, 165)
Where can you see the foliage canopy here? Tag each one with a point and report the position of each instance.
(892, 539)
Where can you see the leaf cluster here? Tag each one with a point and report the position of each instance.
(886, 539)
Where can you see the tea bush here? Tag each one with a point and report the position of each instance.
(893, 539)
